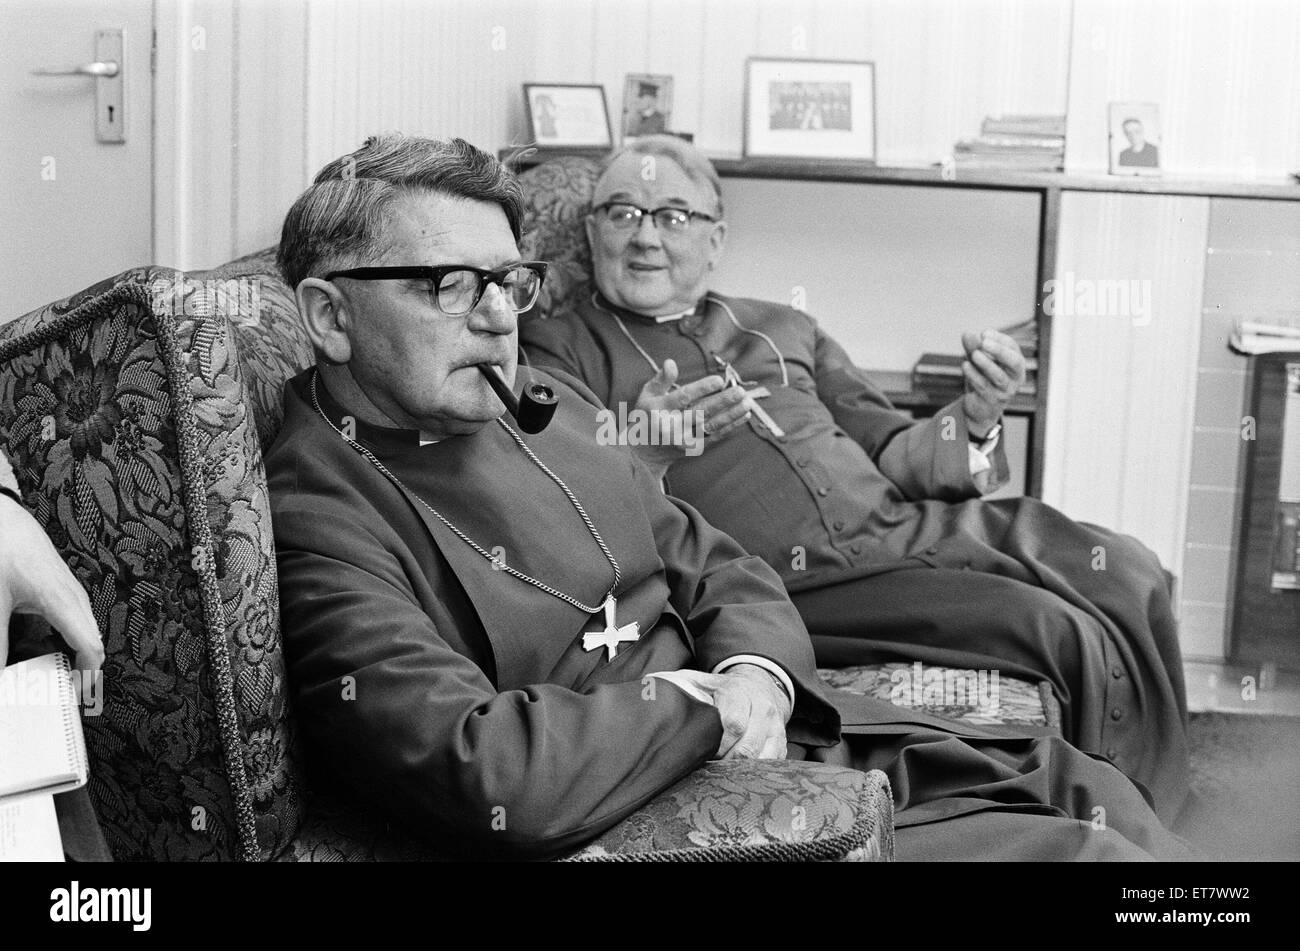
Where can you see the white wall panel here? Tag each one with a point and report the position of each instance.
(285, 85)
(1225, 73)
(1121, 397)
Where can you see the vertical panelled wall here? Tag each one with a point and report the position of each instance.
(269, 90)
(1140, 420)
(1225, 73)
(456, 66)
(230, 115)
(1125, 335)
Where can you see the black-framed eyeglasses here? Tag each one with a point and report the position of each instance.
(456, 289)
(626, 216)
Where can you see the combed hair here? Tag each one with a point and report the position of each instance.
(690, 159)
(341, 220)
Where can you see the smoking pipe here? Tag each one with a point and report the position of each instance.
(533, 410)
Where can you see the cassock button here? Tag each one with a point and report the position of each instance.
(1111, 753)
(932, 551)
(838, 526)
(855, 548)
(801, 463)
(823, 491)
(1117, 671)
(1117, 714)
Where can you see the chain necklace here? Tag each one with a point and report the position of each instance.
(608, 603)
(709, 299)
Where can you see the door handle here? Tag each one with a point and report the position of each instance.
(108, 70)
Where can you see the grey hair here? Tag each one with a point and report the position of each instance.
(341, 220)
(687, 157)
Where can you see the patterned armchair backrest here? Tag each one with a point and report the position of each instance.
(557, 196)
(134, 414)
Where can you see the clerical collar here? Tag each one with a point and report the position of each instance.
(379, 438)
(604, 302)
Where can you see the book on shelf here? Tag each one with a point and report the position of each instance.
(1024, 124)
(949, 364)
(42, 752)
(1027, 143)
(941, 372)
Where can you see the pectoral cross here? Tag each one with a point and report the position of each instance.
(732, 378)
(613, 635)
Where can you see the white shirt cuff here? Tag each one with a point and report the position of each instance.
(686, 681)
(979, 455)
(771, 667)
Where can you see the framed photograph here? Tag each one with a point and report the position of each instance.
(567, 116)
(810, 108)
(1134, 138)
(647, 104)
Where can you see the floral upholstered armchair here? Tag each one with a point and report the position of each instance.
(135, 414)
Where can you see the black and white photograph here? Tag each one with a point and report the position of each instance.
(810, 109)
(1134, 138)
(810, 106)
(716, 431)
(647, 105)
(568, 116)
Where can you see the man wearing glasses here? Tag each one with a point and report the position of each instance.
(874, 521)
(510, 642)
(472, 615)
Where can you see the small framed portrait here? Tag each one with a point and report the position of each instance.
(567, 116)
(647, 104)
(810, 108)
(1134, 138)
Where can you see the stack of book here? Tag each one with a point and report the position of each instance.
(1026, 143)
(940, 374)
(1251, 336)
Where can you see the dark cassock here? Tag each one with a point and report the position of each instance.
(874, 523)
(434, 685)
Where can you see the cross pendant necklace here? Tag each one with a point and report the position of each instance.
(752, 395)
(613, 635)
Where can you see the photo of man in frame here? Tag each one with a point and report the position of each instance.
(647, 105)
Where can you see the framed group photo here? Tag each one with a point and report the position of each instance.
(647, 104)
(1135, 138)
(810, 108)
(568, 116)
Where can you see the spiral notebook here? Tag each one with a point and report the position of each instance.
(41, 744)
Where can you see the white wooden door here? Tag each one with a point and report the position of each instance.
(72, 210)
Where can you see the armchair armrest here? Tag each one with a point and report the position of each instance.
(726, 811)
(758, 811)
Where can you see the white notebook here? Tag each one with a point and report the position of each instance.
(41, 744)
(29, 829)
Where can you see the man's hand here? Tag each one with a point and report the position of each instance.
(34, 580)
(754, 709)
(694, 413)
(994, 370)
